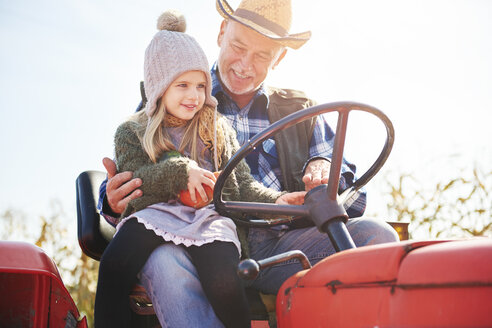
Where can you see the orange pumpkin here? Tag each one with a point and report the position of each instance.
(184, 196)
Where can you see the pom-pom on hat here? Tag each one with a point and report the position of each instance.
(171, 53)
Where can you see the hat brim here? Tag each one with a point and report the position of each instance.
(294, 41)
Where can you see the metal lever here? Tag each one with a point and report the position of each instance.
(249, 269)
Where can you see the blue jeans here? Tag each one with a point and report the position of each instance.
(172, 282)
(264, 243)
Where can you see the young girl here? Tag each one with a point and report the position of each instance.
(175, 144)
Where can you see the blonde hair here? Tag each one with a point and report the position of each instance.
(155, 140)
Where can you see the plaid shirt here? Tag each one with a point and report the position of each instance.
(263, 161)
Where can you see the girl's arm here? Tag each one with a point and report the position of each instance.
(161, 181)
(250, 190)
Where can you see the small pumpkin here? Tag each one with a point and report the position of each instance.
(184, 196)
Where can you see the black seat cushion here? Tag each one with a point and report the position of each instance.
(94, 232)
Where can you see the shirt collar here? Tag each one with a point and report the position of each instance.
(216, 86)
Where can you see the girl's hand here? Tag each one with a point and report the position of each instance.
(196, 177)
(292, 198)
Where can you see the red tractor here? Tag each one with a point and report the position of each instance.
(33, 294)
(437, 283)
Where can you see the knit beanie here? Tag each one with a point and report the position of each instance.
(170, 54)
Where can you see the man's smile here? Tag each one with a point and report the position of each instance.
(240, 76)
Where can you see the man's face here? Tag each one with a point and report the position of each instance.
(245, 57)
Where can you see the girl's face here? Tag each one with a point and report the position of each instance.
(185, 96)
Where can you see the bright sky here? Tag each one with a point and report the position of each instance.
(70, 70)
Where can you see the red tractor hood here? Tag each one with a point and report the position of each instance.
(406, 284)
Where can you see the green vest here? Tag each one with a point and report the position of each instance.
(293, 143)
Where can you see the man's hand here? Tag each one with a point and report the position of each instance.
(317, 173)
(291, 198)
(120, 188)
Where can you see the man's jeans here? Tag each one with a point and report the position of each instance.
(175, 290)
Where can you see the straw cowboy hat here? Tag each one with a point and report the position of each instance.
(270, 18)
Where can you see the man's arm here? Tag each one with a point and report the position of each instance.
(119, 188)
(117, 191)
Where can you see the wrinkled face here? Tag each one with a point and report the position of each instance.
(185, 96)
(245, 57)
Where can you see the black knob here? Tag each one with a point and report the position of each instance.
(248, 269)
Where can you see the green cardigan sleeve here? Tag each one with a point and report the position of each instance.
(161, 181)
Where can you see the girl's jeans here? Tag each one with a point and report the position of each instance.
(179, 301)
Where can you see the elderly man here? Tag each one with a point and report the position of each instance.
(252, 40)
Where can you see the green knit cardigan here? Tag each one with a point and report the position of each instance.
(162, 181)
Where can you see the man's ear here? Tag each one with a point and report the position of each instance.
(280, 57)
(220, 37)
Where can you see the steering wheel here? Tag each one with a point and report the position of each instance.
(327, 195)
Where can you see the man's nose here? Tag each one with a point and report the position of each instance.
(247, 61)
